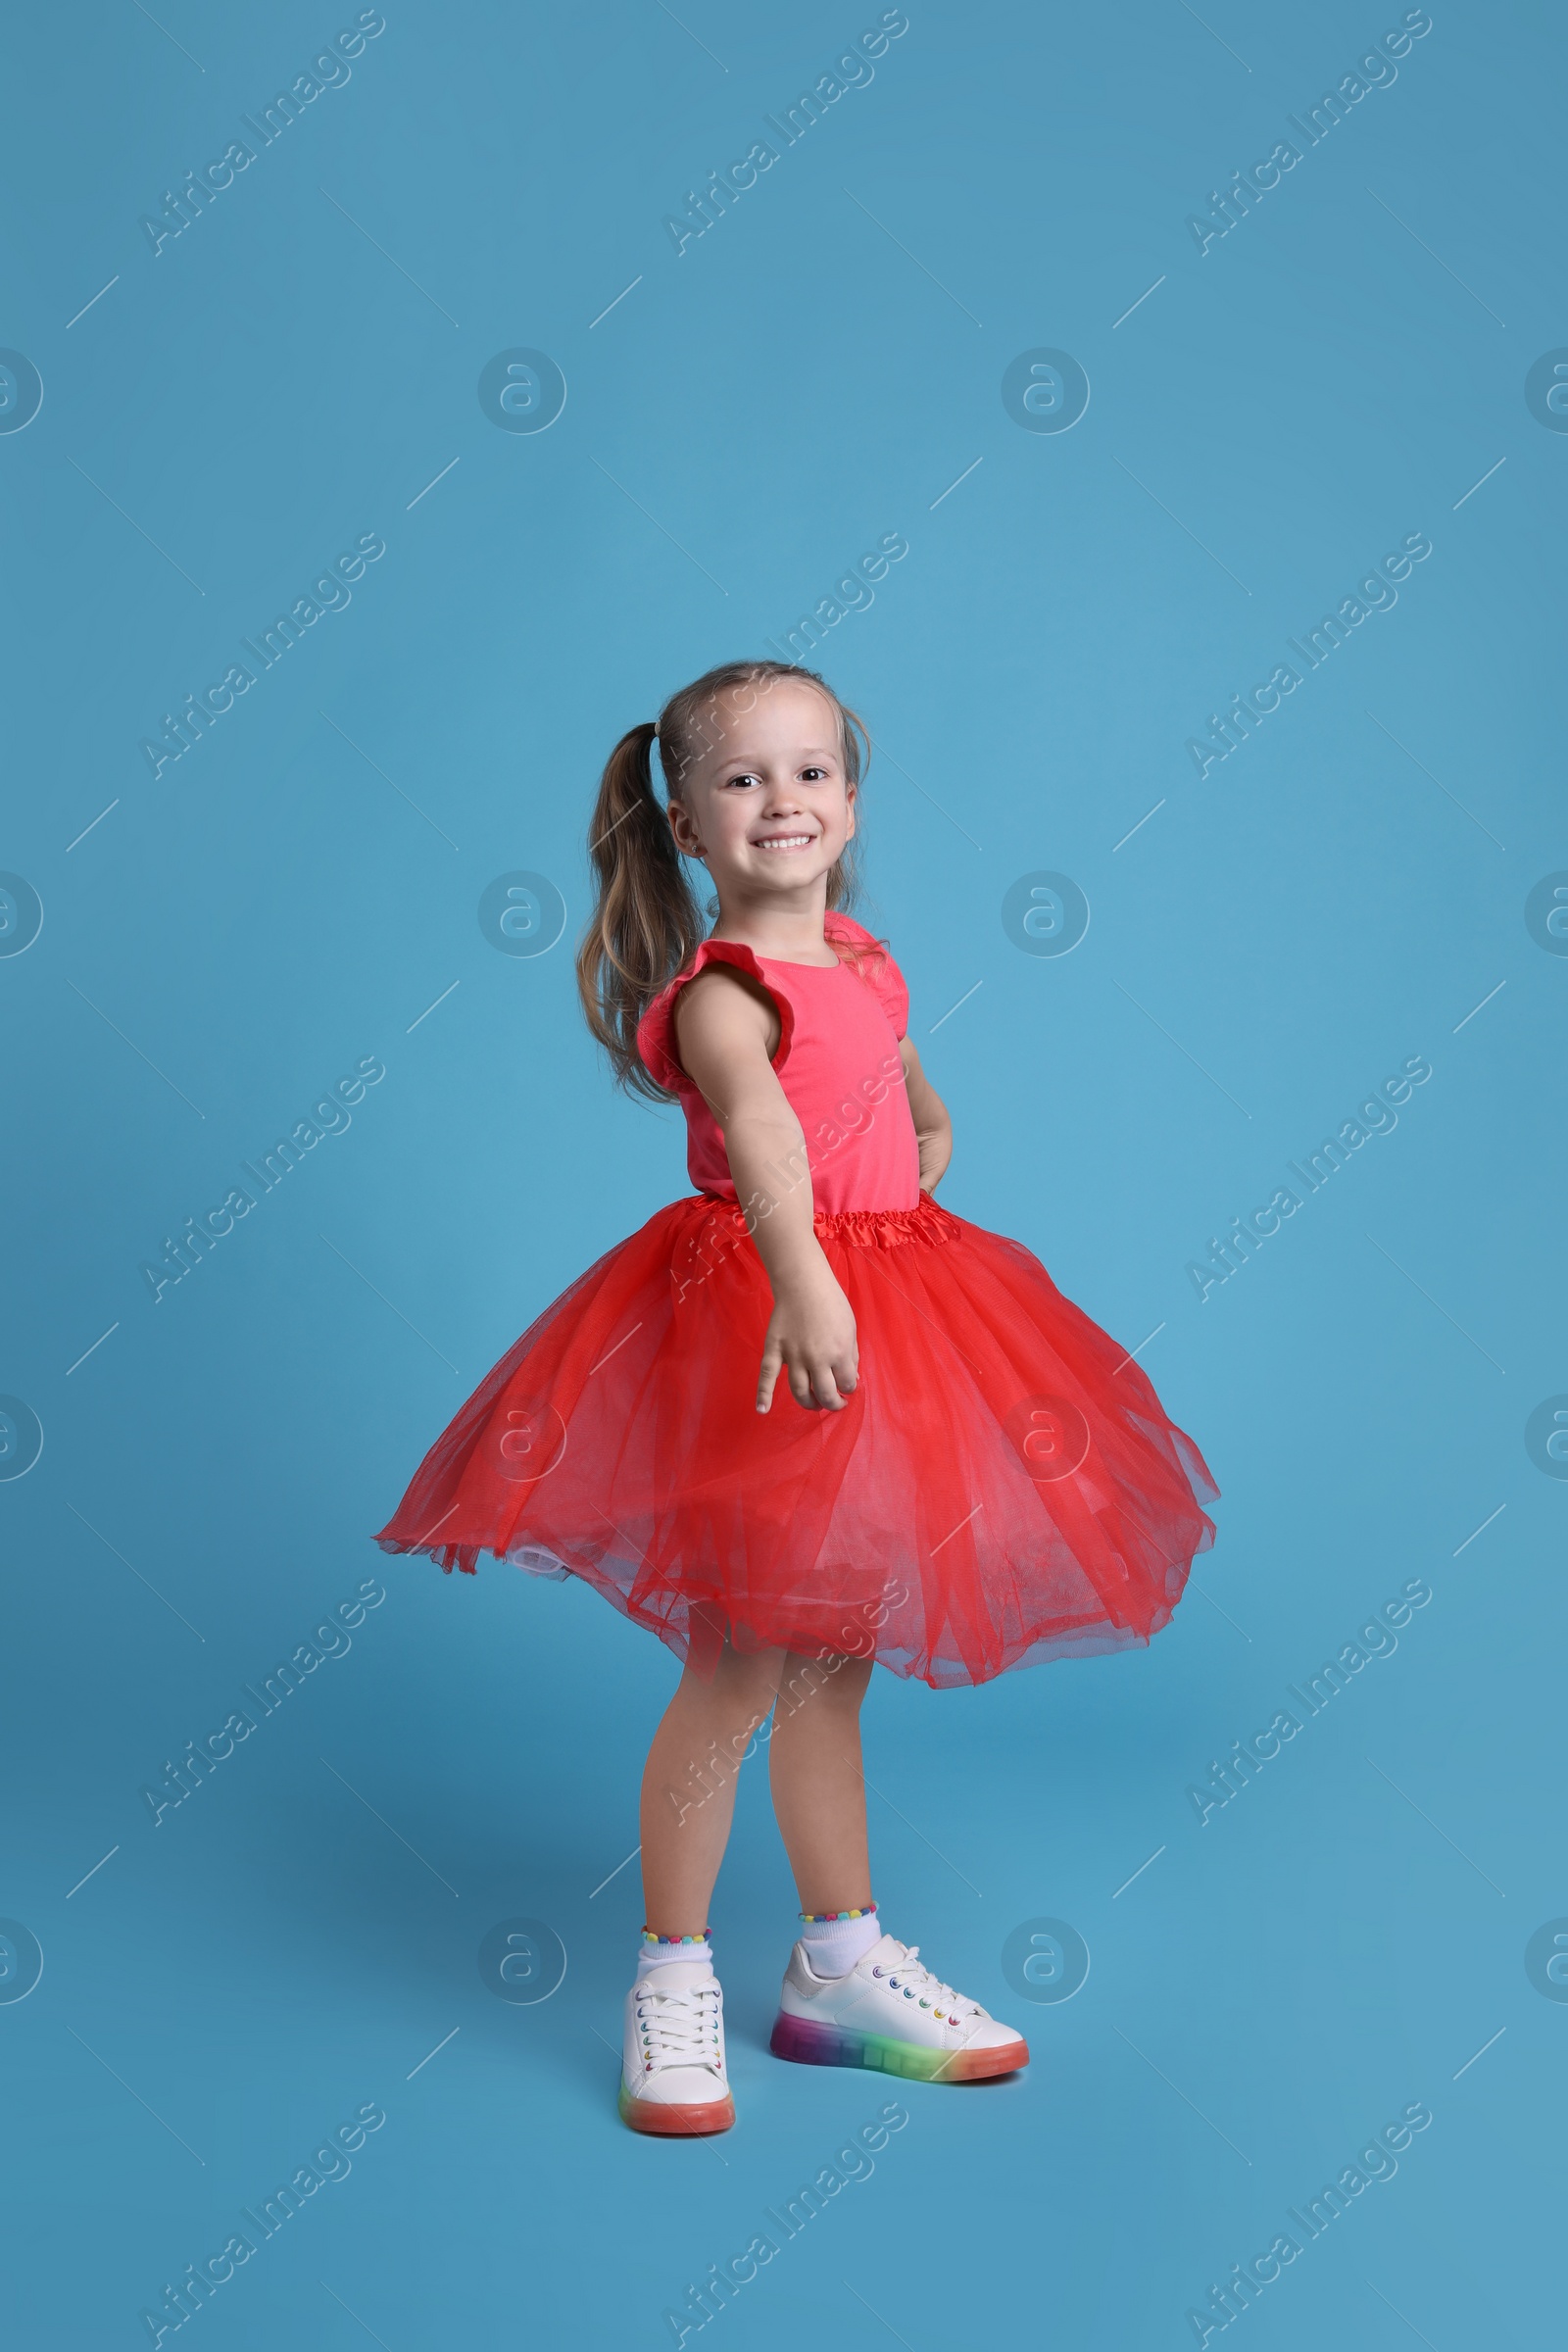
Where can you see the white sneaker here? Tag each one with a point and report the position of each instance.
(673, 2076)
(892, 2014)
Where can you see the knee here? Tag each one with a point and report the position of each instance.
(738, 1698)
(747, 1680)
(837, 1680)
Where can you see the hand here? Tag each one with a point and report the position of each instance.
(811, 1338)
(933, 1163)
(936, 1150)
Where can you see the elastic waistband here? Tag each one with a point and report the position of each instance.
(868, 1228)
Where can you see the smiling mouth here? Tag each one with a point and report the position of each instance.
(788, 841)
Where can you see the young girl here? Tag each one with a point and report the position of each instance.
(805, 1419)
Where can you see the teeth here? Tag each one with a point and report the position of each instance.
(787, 841)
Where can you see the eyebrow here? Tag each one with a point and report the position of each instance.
(740, 760)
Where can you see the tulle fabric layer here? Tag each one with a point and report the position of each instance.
(1002, 1486)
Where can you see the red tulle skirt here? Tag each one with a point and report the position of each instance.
(1002, 1488)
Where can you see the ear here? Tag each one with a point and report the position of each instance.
(852, 793)
(684, 830)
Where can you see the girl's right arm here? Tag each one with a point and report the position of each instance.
(727, 1032)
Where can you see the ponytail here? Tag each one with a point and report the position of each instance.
(646, 921)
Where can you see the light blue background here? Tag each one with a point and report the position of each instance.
(1274, 941)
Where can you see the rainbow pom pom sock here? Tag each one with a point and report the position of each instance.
(834, 1941)
(655, 1951)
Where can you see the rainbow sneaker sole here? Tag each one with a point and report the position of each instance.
(806, 2041)
(665, 2120)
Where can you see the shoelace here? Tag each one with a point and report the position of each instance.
(927, 1989)
(678, 2027)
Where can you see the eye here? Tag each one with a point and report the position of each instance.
(746, 777)
(813, 775)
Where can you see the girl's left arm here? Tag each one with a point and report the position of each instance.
(932, 1126)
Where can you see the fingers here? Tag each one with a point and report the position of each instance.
(798, 1375)
(843, 1373)
(823, 1384)
(821, 1379)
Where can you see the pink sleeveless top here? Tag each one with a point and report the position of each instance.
(838, 1063)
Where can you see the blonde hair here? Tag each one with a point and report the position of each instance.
(646, 923)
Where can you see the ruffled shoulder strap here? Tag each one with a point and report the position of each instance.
(656, 1031)
(870, 958)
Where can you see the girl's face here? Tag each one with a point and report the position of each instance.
(767, 807)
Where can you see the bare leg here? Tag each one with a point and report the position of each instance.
(814, 1770)
(688, 1796)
